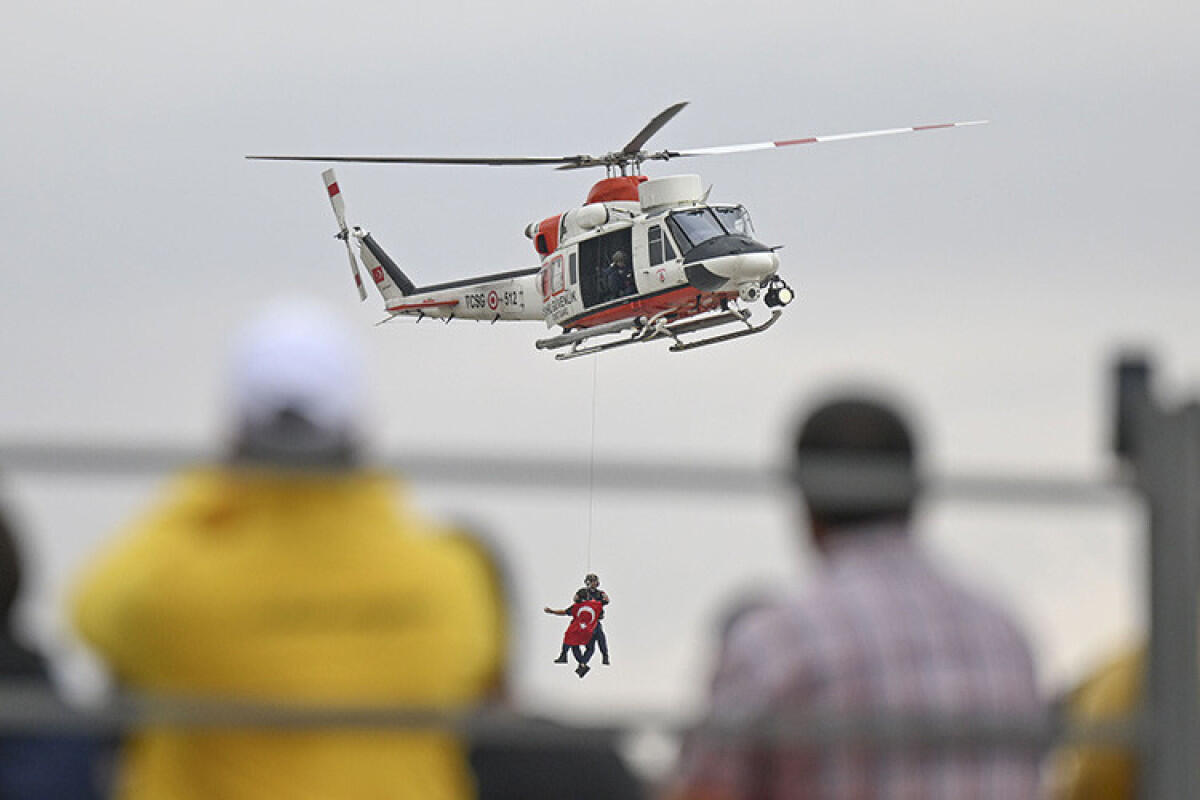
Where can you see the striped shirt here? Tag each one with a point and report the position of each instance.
(879, 631)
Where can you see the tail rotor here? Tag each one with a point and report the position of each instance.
(339, 211)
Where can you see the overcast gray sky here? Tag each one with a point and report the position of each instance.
(987, 274)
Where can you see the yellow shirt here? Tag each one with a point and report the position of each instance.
(1102, 773)
(303, 589)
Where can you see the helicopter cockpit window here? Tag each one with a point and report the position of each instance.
(694, 226)
(736, 219)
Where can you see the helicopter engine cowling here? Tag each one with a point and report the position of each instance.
(674, 190)
(583, 219)
(544, 235)
(620, 188)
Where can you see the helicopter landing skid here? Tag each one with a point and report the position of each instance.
(577, 351)
(656, 330)
(749, 330)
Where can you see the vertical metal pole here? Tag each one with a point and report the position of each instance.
(1168, 460)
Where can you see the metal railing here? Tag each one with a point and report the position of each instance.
(37, 708)
(544, 473)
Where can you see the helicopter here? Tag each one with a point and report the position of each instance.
(642, 260)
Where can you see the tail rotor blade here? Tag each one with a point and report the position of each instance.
(339, 211)
(335, 198)
(358, 282)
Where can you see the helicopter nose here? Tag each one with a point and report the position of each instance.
(734, 259)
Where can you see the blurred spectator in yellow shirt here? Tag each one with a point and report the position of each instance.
(290, 574)
(1109, 695)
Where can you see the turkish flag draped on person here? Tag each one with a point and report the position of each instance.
(584, 617)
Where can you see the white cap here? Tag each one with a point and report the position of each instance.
(297, 355)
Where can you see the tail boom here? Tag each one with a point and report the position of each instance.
(509, 296)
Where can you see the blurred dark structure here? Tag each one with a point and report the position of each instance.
(38, 764)
(1158, 685)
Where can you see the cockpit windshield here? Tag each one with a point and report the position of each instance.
(736, 219)
(694, 226)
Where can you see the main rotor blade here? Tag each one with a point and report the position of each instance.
(499, 161)
(654, 126)
(664, 155)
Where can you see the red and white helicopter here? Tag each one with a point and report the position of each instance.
(641, 260)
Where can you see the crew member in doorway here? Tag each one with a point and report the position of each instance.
(618, 277)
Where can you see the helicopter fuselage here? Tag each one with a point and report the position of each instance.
(649, 249)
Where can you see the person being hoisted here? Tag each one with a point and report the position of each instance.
(585, 616)
(591, 585)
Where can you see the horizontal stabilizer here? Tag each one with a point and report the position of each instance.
(398, 309)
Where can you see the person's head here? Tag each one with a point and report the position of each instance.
(591, 581)
(854, 463)
(296, 382)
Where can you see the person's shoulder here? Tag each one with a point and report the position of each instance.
(151, 537)
(1113, 688)
(976, 606)
(986, 622)
(762, 653)
(762, 628)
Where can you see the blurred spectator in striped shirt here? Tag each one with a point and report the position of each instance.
(878, 632)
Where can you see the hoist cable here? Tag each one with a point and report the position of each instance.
(592, 467)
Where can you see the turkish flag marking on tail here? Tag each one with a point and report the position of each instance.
(584, 618)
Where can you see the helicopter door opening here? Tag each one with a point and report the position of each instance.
(606, 267)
